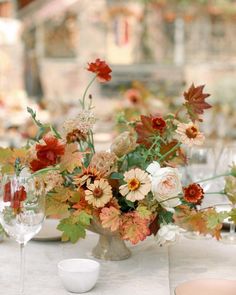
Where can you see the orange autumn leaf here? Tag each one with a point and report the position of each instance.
(134, 228)
(204, 222)
(71, 158)
(195, 102)
(110, 218)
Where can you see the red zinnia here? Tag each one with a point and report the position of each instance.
(101, 69)
(48, 153)
(193, 193)
(158, 124)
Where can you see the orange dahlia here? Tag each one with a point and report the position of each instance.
(193, 193)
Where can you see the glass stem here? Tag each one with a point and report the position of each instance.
(22, 268)
(232, 229)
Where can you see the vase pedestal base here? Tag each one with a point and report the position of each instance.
(111, 247)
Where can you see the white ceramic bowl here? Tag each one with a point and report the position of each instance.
(78, 275)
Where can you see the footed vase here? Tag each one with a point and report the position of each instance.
(110, 246)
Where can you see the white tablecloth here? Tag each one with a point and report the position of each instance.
(151, 270)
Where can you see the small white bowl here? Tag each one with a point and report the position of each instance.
(78, 275)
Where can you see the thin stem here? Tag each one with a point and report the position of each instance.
(86, 90)
(170, 151)
(181, 195)
(22, 268)
(214, 177)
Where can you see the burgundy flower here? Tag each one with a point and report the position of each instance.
(48, 153)
(193, 193)
(158, 124)
(101, 69)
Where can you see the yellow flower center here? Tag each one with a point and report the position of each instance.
(133, 184)
(192, 132)
(97, 192)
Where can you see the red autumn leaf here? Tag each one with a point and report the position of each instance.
(148, 127)
(195, 102)
(101, 69)
(154, 226)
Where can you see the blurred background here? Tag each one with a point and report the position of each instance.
(156, 49)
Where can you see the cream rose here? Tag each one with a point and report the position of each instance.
(168, 234)
(166, 184)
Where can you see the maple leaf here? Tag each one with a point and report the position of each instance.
(148, 127)
(205, 221)
(55, 207)
(71, 158)
(73, 227)
(8, 157)
(110, 218)
(56, 202)
(195, 102)
(134, 228)
(143, 211)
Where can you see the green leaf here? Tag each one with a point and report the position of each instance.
(165, 217)
(130, 204)
(116, 175)
(143, 211)
(73, 231)
(55, 132)
(216, 218)
(73, 227)
(232, 215)
(84, 218)
(75, 198)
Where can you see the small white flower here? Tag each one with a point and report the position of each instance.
(166, 185)
(168, 234)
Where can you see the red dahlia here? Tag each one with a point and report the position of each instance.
(101, 69)
(193, 193)
(48, 153)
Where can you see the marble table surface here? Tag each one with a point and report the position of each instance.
(150, 270)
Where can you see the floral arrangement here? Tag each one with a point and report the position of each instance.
(134, 188)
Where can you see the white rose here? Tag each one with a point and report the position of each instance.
(168, 234)
(166, 184)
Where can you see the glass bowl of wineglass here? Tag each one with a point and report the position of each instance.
(22, 204)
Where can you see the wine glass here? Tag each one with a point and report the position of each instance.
(21, 211)
(201, 165)
(228, 157)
